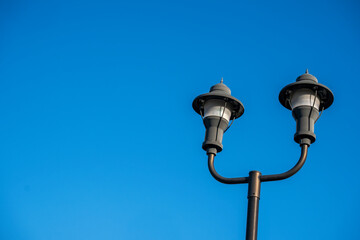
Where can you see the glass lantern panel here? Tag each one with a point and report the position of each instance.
(304, 97)
(216, 107)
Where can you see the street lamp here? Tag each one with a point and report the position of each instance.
(306, 98)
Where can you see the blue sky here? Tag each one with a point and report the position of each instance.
(99, 139)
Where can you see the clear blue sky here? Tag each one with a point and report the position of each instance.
(98, 139)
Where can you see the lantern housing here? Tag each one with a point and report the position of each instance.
(306, 98)
(217, 108)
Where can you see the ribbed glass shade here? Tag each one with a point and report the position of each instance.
(304, 97)
(217, 108)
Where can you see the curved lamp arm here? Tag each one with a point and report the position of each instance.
(292, 171)
(264, 178)
(221, 178)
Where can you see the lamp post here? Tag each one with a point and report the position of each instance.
(306, 98)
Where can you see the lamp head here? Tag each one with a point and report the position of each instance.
(306, 98)
(217, 108)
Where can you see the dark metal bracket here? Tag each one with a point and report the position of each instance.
(254, 180)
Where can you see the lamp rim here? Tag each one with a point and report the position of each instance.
(325, 99)
(236, 106)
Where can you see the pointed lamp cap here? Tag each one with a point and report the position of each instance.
(307, 76)
(221, 87)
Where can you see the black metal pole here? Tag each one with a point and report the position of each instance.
(254, 180)
(253, 205)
